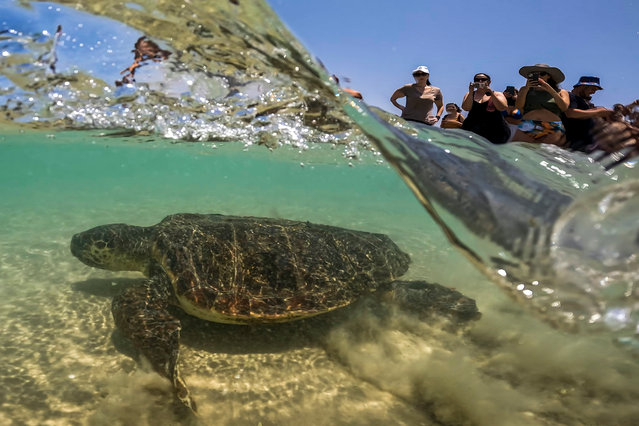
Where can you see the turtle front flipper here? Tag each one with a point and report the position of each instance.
(141, 314)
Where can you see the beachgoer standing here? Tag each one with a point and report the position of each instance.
(453, 119)
(512, 114)
(541, 102)
(484, 107)
(579, 118)
(420, 98)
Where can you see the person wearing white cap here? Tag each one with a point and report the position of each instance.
(420, 98)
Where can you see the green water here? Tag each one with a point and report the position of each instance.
(63, 364)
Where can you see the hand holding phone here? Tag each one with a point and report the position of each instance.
(533, 79)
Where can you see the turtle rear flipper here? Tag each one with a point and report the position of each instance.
(424, 297)
(141, 314)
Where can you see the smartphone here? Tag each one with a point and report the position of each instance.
(479, 85)
(534, 76)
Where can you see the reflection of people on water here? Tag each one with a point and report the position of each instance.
(420, 96)
(454, 118)
(145, 50)
(484, 107)
(541, 102)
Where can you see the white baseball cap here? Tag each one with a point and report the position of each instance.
(421, 68)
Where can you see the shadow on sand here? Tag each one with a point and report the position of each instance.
(229, 338)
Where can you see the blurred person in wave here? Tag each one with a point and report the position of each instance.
(420, 96)
(351, 92)
(541, 103)
(618, 132)
(453, 119)
(628, 113)
(485, 107)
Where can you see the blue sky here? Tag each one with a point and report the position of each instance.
(377, 43)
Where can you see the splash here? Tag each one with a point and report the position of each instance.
(233, 74)
(550, 227)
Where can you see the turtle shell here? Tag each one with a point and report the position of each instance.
(249, 269)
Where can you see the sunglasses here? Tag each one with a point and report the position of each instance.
(480, 79)
(419, 74)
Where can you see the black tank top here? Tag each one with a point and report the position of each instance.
(485, 120)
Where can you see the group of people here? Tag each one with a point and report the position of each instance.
(539, 112)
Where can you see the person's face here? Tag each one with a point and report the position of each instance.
(586, 92)
(451, 109)
(420, 76)
(481, 78)
(620, 109)
(535, 76)
(539, 74)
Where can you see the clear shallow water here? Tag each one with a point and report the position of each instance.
(65, 363)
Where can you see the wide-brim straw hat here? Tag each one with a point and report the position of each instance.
(554, 72)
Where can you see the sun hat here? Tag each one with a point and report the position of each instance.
(421, 68)
(555, 73)
(588, 80)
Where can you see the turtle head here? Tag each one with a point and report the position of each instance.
(116, 247)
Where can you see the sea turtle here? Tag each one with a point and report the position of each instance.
(245, 270)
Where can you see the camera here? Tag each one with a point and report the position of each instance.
(479, 85)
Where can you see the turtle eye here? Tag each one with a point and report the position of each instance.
(100, 245)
